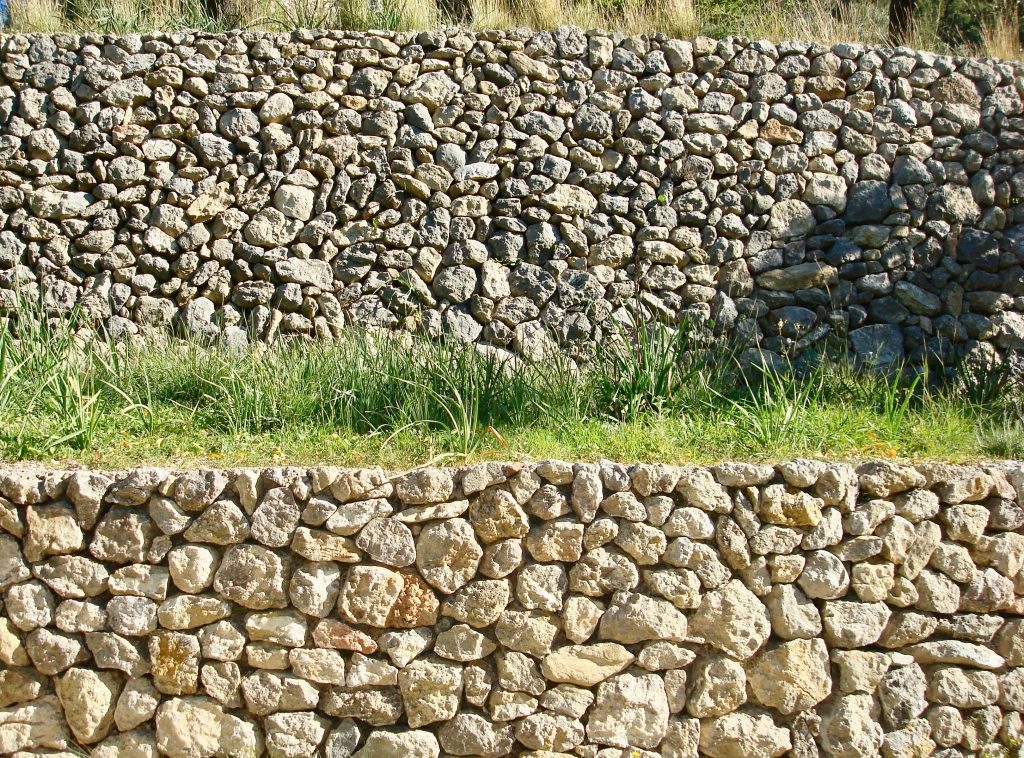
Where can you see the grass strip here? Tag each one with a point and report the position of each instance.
(652, 394)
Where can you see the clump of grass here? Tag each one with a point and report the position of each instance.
(654, 393)
(652, 368)
(36, 16)
(822, 21)
(1001, 32)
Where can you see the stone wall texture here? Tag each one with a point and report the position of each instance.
(515, 189)
(548, 609)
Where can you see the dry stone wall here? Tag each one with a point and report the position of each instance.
(549, 609)
(517, 190)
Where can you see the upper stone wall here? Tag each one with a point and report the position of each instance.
(514, 188)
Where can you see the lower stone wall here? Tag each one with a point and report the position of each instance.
(597, 610)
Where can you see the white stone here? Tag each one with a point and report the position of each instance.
(849, 624)
(741, 735)
(430, 689)
(294, 735)
(194, 727)
(368, 594)
(585, 665)
(89, 699)
(633, 617)
(408, 744)
(718, 685)
(447, 554)
(733, 620)
(791, 677)
(630, 711)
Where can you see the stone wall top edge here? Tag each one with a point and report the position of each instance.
(524, 34)
(929, 468)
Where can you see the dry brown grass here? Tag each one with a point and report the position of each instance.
(677, 18)
(815, 20)
(1000, 37)
(36, 16)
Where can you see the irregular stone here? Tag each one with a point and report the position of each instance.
(192, 567)
(963, 688)
(174, 658)
(424, 486)
(375, 707)
(191, 727)
(824, 576)
(313, 588)
(698, 488)
(413, 743)
(546, 731)
(88, 699)
(51, 530)
(253, 576)
(111, 651)
(629, 711)
(580, 617)
(317, 545)
(12, 565)
(388, 541)
(789, 219)
(267, 692)
(860, 670)
(29, 606)
(478, 603)
(191, 611)
(294, 735)
(633, 617)
(541, 586)
(136, 704)
(849, 624)
(464, 644)
(585, 665)
(883, 479)
(368, 594)
(73, 576)
(33, 727)
(196, 490)
(430, 689)
(791, 677)
(733, 620)
(847, 728)
(902, 694)
(602, 571)
(53, 653)
(496, 515)
(403, 647)
(741, 735)
(530, 632)
(718, 686)
(19, 686)
(223, 523)
(274, 521)
(471, 734)
(555, 541)
(320, 666)
(447, 554)
(955, 652)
